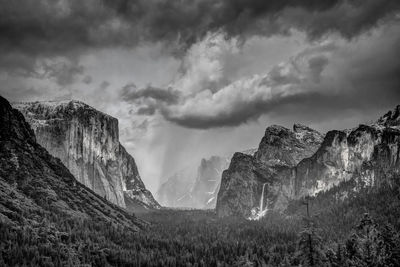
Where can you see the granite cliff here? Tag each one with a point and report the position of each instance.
(207, 182)
(35, 186)
(284, 169)
(243, 182)
(175, 191)
(87, 142)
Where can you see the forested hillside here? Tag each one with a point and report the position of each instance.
(359, 231)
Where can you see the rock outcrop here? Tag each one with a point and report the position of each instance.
(34, 184)
(368, 154)
(283, 147)
(239, 190)
(137, 198)
(280, 149)
(87, 142)
(206, 186)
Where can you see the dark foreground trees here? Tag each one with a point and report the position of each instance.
(188, 238)
(369, 244)
(342, 234)
(196, 238)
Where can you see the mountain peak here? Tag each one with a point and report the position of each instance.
(307, 134)
(391, 118)
(53, 109)
(54, 103)
(275, 129)
(298, 127)
(282, 146)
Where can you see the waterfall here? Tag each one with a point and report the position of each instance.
(256, 215)
(262, 199)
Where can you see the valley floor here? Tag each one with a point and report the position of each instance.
(337, 235)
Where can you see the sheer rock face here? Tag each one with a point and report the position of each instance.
(207, 183)
(87, 142)
(175, 191)
(239, 188)
(192, 189)
(33, 182)
(370, 154)
(136, 196)
(279, 150)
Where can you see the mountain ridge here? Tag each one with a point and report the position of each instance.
(367, 153)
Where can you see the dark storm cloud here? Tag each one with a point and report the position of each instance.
(34, 29)
(59, 27)
(130, 94)
(243, 112)
(303, 105)
(359, 75)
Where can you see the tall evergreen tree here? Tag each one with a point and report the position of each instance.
(310, 251)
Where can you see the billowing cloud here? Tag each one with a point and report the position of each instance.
(325, 76)
(203, 66)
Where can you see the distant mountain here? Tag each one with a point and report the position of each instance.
(205, 189)
(36, 189)
(292, 164)
(87, 142)
(175, 191)
(194, 187)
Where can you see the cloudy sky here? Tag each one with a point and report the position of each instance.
(190, 79)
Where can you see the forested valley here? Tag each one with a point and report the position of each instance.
(361, 230)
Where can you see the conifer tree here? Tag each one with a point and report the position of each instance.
(310, 251)
(368, 246)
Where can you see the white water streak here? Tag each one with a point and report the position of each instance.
(262, 199)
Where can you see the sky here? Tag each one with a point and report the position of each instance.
(191, 79)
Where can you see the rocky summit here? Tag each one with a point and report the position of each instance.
(87, 143)
(36, 186)
(243, 182)
(281, 146)
(292, 164)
